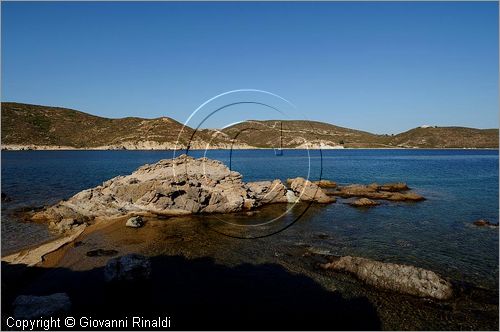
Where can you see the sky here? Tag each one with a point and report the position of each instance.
(380, 67)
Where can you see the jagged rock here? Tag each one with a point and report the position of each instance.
(132, 267)
(388, 192)
(364, 202)
(267, 192)
(483, 223)
(397, 277)
(135, 222)
(325, 184)
(34, 307)
(308, 191)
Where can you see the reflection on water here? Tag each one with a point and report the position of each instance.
(460, 187)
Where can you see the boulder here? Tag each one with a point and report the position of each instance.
(364, 202)
(396, 277)
(132, 267)
(308, 191)
(34, 307)
(135, 222)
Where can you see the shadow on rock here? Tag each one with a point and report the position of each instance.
(198, 294)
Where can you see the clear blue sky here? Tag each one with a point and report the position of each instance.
(380, 67)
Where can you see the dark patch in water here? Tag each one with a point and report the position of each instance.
(101, 252)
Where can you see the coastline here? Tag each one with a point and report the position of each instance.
(12, 147)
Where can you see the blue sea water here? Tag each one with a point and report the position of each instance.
(461, 186)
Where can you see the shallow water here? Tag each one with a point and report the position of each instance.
(460, 186)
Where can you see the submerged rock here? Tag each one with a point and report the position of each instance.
(390, 192)
(132, 267)
(364, 202)
(5, 198)
(397, 277)
(34, 307)
(101, 252)
(135, 222)
(308, 191)
(483, 223)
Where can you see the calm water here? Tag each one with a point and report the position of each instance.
(460, 186)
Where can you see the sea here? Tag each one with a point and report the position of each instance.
(460, 187)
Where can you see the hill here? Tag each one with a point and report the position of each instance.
(33, 125)
(300, 134)
(44, 127)
(447, 137)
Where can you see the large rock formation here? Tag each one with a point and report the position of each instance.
(183, 185)
(401, 278)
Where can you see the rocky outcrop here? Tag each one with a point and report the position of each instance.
(132, 267)
(364, 202)
(390, 192)
(183, 185)
(34, 307)
(400, 278)
(308, 191)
